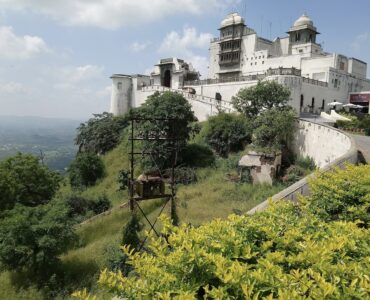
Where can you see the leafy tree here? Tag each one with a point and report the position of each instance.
(227, 133)
(265, 95)
(100, 133)
(85, 170)
(25, 181)
(32, 238)
(167, 105)
(274, 128)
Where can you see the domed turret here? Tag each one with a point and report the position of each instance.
(232, 19)
(303, 20)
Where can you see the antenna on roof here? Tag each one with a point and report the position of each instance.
(270, 23)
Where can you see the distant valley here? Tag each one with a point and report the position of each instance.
(48, 138)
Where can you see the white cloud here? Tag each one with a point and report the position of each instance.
(138, 47)
(184, 45)
(20, 47)
(112, 14)
(360, 40)
(189, 39)
(74, 75)
(12, 88)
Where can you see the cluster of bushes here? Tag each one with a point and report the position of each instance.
(318, 250)
(357, 124)
(298, 169)
(82, 207)
(265, 121)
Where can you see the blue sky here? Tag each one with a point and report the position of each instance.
(56, 56)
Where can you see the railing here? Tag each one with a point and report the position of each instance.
(315, 82)
(301, 187)
(225, 79)
(219, 104)
(269, 72)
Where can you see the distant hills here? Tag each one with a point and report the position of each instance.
(53, 137)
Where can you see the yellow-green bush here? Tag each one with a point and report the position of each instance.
(342, 194)
(286, 252)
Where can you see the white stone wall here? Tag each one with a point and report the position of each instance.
(321, 143)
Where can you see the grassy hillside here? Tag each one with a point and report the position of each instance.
(213, 196)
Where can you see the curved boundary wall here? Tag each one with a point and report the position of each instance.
(327, 146)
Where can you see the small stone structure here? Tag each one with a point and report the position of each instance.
(263, 167)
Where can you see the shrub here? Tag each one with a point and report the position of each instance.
(342, 194)
(100, 205)
(306, 163)
(85, 170)
(293, 174)
(227, 133)
(197, 156)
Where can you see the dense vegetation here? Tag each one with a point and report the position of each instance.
(175, 123)
(25, 181)
(100, 133)
(286, 252)
(210, 186)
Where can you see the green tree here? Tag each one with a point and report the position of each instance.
(100, 133)
(32, 238)
(227, 133)
(167, 105)
(25, 181)
(265, 95)
(85, 170)
(274, 128)
(130, 234)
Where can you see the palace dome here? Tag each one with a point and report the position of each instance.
(232, 19)
(303, 20)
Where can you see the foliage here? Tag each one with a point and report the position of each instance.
(275, 254)
(285, 252)
(197, 156)
(167, 105)
(25, 181)
(306, 163)
(80, 205)
(274, 128)
(85, 170)
(342, 195)
(130, 232)
(365, 122)
(123, 179)
(100, 205)
(100, 133)
(227, 133)
(265, 95)
(32, 238)
(293, 174)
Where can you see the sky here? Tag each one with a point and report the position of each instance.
(56, 56)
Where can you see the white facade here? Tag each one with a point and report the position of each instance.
(239, 58)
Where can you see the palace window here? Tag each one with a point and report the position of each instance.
(119, 86)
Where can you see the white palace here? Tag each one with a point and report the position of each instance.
(238, 58)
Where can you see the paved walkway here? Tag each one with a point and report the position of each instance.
(363, 144)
